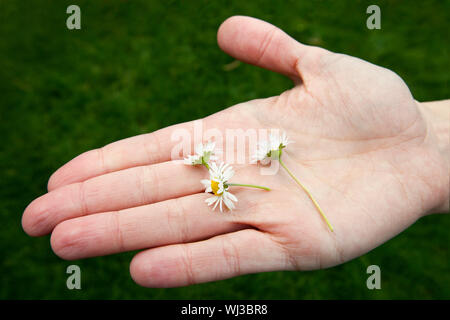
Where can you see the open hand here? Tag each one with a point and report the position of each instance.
(361, 146)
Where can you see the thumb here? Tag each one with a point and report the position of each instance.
(259, 43)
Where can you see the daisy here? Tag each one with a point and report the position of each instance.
(279, 141)
(263, 153)
(271, 149)
(203, 154)
(218, 185)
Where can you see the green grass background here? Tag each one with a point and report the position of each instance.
(136, 66)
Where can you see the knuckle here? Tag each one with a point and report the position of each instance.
(101, 158)
(188, 264)
(153, 147)
(266, 43)
(231, 255)
(148, 184)
(177, 221)
(79, 195)
(117, 231)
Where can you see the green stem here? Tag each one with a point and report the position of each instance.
(205, 164)
(308, 193)
(247, 185)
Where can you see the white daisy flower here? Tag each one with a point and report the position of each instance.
(262, 153)
(217, 184)
(203, 154)
(271, 148)
(279, 141)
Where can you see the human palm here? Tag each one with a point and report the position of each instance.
(361, 147)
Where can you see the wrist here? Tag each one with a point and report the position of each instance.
(437, 116)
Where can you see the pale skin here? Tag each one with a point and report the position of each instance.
(373, 157)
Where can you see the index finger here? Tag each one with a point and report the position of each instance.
(145, 149)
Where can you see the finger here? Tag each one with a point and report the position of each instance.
(178, 220)
(114, 191)
(221, 257)
(257, 42)
(136, 151)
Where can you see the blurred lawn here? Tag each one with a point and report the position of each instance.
(136, 66)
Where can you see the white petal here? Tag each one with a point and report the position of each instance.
(232, 196)
(228, 174)
(262, 150)
(220, 168)
(218, 199)
(213, 168)
(211, 200)
(285, 139)
(228, 203)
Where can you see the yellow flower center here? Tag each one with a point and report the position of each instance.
(215, 187)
